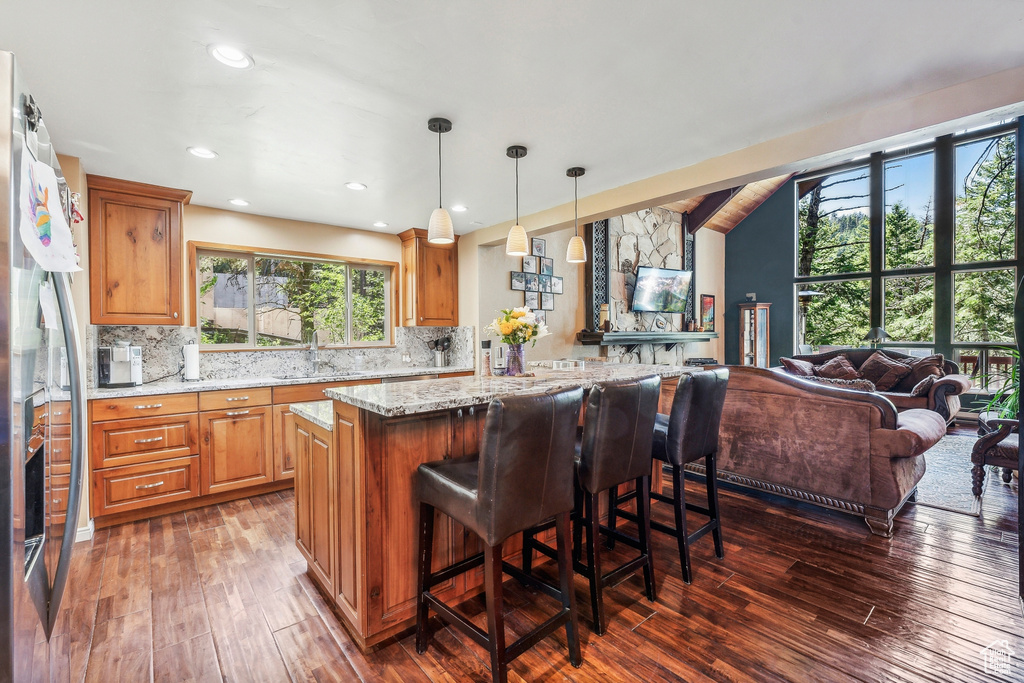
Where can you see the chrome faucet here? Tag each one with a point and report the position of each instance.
(314, 352)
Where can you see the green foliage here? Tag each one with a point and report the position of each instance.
(833, 238)
(1006, 399)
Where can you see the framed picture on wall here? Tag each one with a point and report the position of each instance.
(533, 300)
(547, 301)
(547, 266)
(556, 284)
(532, 282)
(538, 246)
(542, 316)
(518, 281)
(545, 283)
(530, 264)
(707, 312)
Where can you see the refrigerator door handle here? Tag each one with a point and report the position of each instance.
(62, 288)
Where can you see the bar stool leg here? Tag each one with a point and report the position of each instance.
(679, 496)
(613, 515)
(711, 481)
(565, 574)
(495, 612)
(423, 575)
(643, 509)
(577, 524)
(594, 561)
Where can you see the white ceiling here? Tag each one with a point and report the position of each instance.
(342, 91)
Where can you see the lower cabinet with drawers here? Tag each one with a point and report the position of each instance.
(157, 454)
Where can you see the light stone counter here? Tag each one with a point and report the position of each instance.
(319, 413)
(408, 398)
(179, 387)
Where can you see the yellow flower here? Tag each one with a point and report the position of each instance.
(529, 333)
(518, 314)
(507, 327)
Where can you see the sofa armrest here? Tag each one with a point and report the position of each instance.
(951, 385)
(916, 431)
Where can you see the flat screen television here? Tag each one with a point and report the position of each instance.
(661, 290)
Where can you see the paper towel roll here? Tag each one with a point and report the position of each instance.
(190, 352)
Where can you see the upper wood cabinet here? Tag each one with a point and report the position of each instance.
(430, 280)
(135, 252)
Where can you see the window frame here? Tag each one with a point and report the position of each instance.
(944, 266)
(391, 283)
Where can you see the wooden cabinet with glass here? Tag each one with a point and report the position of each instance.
(754, 338)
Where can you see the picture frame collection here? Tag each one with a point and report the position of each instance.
(537, 280)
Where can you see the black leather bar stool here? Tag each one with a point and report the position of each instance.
(689, 434)
(523, 476)
(615, 449)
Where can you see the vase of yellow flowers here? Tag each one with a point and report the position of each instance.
(516, 327)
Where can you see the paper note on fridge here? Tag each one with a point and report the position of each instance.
(48, 303)
(44, 229)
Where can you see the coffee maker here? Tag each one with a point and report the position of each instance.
(119, 365)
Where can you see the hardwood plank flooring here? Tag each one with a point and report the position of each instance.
(220, 593)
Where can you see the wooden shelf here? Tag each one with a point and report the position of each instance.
(631, 340)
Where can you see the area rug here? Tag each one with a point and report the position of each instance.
(946, 484)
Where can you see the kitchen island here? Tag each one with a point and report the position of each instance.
(355, 507)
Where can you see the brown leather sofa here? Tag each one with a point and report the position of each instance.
(943, 397)
(839, 448)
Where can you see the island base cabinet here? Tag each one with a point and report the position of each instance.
(315, 496)
(235, 448)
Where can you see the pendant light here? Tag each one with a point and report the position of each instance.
(576, 252)
(440, 229)
(516, 244)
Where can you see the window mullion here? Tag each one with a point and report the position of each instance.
(252, 300)
(876, 222)
(945, 218)
(348, 305)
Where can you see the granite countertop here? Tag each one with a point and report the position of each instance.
(317, 412)
(180, 387)
(408, 398)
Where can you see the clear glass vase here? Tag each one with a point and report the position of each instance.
(515, 364)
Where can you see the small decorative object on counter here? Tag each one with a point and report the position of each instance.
(516, 326)
(602, 319)
(485, 358)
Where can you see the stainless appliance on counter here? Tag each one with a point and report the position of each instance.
(119, 365)
(42, 421)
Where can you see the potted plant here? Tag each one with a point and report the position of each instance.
(1005, 402)
(515, 327)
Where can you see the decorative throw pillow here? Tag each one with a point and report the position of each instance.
(924, 386)
(861, 384)
(929, 366)
(837, 368)
(883, 371)
(800, 368)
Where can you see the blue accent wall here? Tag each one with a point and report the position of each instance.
(760, 257)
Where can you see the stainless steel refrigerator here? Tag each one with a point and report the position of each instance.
(42, 420)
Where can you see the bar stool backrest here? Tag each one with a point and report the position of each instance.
(526, 461)
(696, 415)
(617, 433)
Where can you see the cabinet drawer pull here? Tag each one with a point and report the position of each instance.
(155, 438)
(56, 501)
(471, 411)
(150, 486)
(459, 413)
(237, 398)
(232, 413)
(150, 405)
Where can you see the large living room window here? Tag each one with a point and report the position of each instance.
(254, 300)
(919, 241)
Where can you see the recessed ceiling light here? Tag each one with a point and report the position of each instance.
(459, 208)
(355, 186)
(202, 152)
(231, 56)
(239, 202)
(380, 224)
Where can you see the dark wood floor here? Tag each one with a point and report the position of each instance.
(801, 595)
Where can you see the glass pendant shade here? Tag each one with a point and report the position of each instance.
(576, 252)
(516, 243)
(440, 229)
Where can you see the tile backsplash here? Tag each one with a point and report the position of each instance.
(161, 353)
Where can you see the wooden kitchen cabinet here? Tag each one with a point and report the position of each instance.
(430, 280)
(135, 257)
(236, 448)
(315, 498)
